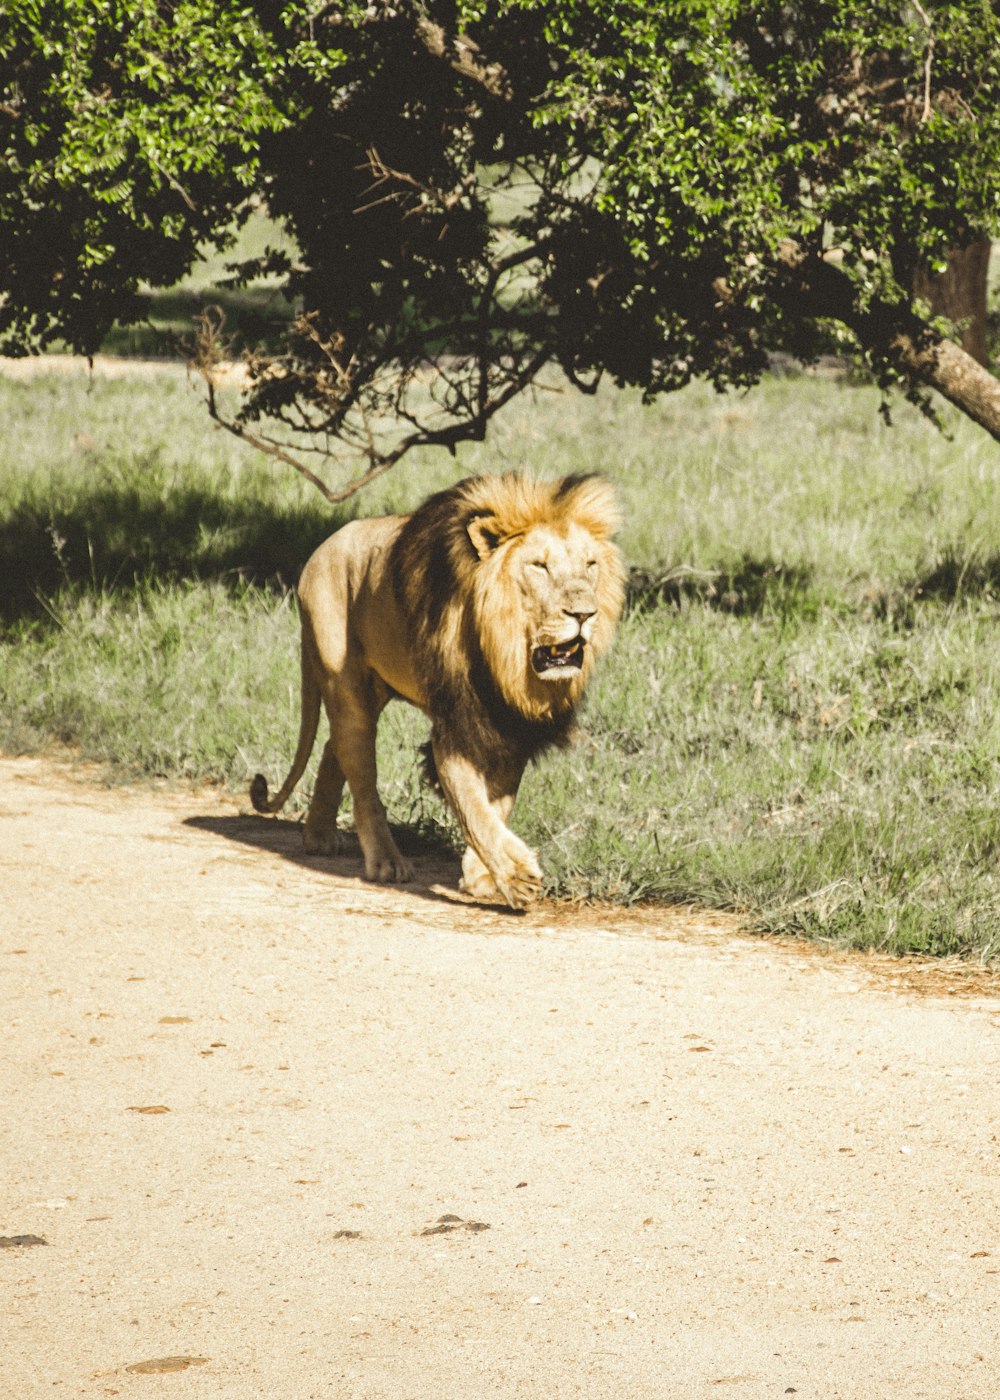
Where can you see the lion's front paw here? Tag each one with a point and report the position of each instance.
(516, 873)
(477, 882)
(522, 888)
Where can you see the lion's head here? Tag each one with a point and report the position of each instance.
(521, 573)
(547, 586)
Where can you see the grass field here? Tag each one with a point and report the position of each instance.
(799, 720)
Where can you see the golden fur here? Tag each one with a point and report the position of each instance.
(487, 608)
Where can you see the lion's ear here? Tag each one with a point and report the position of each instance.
(485, 533)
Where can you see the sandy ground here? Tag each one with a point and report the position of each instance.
(412, 1150)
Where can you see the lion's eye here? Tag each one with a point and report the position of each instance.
(591, 566)
(538, 564)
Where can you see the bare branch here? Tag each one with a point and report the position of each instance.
(384, 174)
(928, 25)
(271, 449)
(507, 264)
(205, 357)
(350, 405)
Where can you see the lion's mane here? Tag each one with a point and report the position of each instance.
(465, 615)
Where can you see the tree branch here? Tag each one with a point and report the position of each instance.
(463, 55)
(926, 20)
(173, 182)
(273, 449)
(469, 406)
(893, 332)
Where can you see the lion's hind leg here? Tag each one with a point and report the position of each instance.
(354, 716)
(320, 835)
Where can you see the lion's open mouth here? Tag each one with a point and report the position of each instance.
(561, 656)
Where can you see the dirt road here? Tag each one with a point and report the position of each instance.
(287, 1135)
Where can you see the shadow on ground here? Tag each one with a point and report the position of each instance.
(750, 588)
(111, 539)
(435, 864)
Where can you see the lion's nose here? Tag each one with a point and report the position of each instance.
(580, 612)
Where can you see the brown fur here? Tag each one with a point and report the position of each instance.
(446, 608)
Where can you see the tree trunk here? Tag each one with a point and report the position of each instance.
(953, 372)
(960, 294)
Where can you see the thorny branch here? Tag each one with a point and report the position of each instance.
(474, 390)
(384, 175)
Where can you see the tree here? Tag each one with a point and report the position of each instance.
(479, 189)
(128, 137)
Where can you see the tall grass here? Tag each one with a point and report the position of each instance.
(799, 719)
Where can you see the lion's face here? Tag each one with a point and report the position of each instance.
(557, 577)
(547, 602)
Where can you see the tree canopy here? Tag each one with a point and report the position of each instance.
(478, 189)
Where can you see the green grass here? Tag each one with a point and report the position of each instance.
(799, 720)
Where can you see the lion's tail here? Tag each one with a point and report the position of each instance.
(308, 725)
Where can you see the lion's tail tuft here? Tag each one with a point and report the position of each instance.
(259, 795)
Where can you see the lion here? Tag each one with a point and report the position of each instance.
(487, 608)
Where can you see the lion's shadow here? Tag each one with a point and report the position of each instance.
(435, 864)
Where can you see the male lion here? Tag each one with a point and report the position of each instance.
(486, 608)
